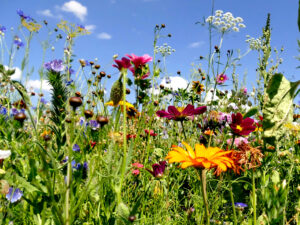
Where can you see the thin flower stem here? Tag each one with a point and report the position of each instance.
(123, 167)
(183, 129)
(232, 204)
(203, 182)
(253, 199)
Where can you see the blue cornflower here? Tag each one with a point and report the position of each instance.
(55, 65)
(240, 205)
(69, 82)
(18, 42)
(44, 101)
(3, 110)
(2, 30)
(14, 111)
(94, 124)
(23, 16)
(71, 71)
(14, 195)
(81, 26)
(76, 148)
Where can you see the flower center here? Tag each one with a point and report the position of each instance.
(180, 109)
(239, 128)
(221, 78)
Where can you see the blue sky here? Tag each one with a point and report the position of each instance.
(126, 26)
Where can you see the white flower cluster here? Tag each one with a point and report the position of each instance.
(225, 22)
(164, 49)
(254, 44)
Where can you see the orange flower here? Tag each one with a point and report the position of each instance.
(211, 157)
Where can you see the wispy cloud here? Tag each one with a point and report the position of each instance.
(36, 85)
(46, 12)
(79, 10)
(104, 36)
(91, 27)
(196, 44)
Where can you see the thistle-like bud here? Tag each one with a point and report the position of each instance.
(116, 92)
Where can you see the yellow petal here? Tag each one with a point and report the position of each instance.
(189, 149)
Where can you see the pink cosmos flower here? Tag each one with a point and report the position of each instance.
(139, 61)
(238, 141)
(123, 63)
(221, 78)
(135, 172)
(137, 165)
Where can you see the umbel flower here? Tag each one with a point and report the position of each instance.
(205, 158)
(181, 113)
(242, 126)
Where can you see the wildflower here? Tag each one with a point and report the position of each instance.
(23, 16)
(130, 136)
(94, 124)
(44, 101)
(3, 110)
(31, 26)
(121, 103)
(139, 61)
(181, 113)
(124, 63)
(238, 141)
(241, 126)
(158, 169)
(150, 132)
(76, 148)
(71, 29)
(18, 42)
(137, 165)
(197, 87)
(240, 205)
(136, 172)
(209, 158)
(69, 82)
(55, 65)
(14, 194)
(2, 30)
(221, 78)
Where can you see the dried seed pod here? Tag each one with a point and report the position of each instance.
(20, 117)
(88, 114)
(102, 74)
(102, 120)
(78, 94)
(108, 76)
(97, 66)
(161, 86)
(75, 102)
(127, 91)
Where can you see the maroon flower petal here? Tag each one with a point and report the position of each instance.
(188, 110)
(162, 113)
(200, 110)
(172, 110)
(247, 122)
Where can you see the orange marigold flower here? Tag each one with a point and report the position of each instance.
(209, 158)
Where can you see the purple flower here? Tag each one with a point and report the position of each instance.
(76, 148)
(221, 78)
(71, 71)
(240, 205)
(2, 29)
(43, 101)
(23, 16)
(55, 65)
(14, 195)
(14, 111)
(3, 110)
(94, 124)
(158, 169)
(18, 42)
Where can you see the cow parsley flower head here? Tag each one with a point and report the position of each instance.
(225, 22)
(254, 43)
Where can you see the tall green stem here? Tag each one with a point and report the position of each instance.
(232, 204)
(203, 182)
(253, 198)
(183, 129)
(123, 168)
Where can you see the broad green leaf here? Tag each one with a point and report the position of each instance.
(251, 112)
(278, 108)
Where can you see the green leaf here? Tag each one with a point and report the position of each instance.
(278, 108)
(251, 112)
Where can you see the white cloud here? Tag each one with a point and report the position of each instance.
(46, 12)
(196, 44)
(175, 83)
(36, 85)
(17, 75)
(90, 27)
(104, 36)
(79, 10)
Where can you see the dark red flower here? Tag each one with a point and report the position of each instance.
(131, 136)
(242, 126)
(158, 169)
(93, 143)
(150, 132)
(181, 113)
(123, 63)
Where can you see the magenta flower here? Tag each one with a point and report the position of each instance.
(158, 169)
(181, 113)
(139, 61)
(241, 126)
(150, 132)
(221, 78)
(123, 63)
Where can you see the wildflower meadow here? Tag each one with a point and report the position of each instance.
(116, 141)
